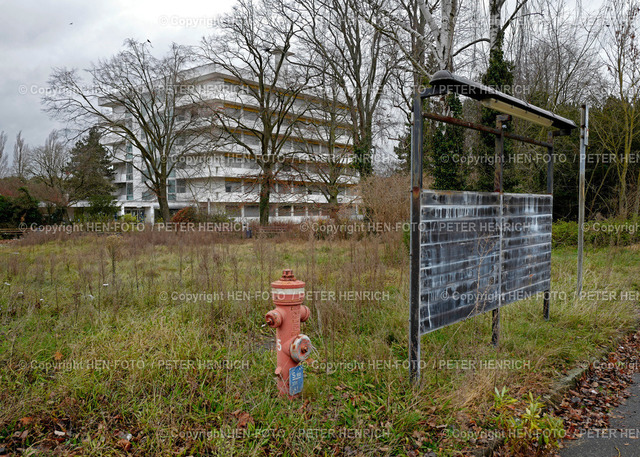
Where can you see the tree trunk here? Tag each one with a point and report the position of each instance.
(265, 193)
(161, 195)
(164, 206)
(495, 22)
(622, 199)
(636, 204)
(362, 153)
(334, 206)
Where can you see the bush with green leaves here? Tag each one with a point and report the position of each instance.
(527, 429)
(607, 232)
(21, 209)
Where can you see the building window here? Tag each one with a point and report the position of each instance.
(251, 211)
(232, 210)
(232, 186)
(181, 186)
(129, 148)
(129, 171)
(171, 190)
(129, 191)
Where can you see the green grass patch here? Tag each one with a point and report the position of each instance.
(170, 353)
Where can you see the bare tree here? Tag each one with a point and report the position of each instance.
(138, 100)
(47, 166)
(327, 166)
(357, 56)
(430, 38)
(254, 46)
(563, 62)
(4, 166)
(621, 128)
(21, 157)
(496, 27)
(48, 162)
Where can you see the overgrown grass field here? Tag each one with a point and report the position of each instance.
(154, 344)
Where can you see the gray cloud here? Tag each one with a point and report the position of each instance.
(37, 35)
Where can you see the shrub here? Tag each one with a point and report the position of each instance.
(187, 214)
(192, 214)
(128, 219)
(608, 232)
(20, 209)
(527, 430)
(386, 198)
(102, 206)
(564, 233)
(6, 212)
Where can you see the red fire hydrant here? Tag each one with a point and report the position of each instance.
(292, 347)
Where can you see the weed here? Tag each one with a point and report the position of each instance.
(527, 429)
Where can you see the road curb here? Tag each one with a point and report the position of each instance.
(554, 397)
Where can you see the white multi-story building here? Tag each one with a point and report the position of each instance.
(223, 179)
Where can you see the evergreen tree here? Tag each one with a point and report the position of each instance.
(90, 169)
(446, 151)
(499, 75)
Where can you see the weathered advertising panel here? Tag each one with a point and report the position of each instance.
(526, 245)
(479, 251)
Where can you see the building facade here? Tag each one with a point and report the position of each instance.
(223, 177)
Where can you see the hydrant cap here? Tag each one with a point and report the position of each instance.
(300, 348)
(287, 281)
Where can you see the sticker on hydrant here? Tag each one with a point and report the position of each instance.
(296, 380)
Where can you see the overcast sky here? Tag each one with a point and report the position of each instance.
(36, 35)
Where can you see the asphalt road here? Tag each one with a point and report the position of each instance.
(621, 439)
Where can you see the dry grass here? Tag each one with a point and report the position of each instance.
(57, 308)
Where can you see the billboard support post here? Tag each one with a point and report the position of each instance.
(416, 190)
(584, 142)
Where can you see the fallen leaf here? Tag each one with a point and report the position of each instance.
(124, 444)
(244, 419)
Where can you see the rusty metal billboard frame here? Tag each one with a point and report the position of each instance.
(442, 83)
